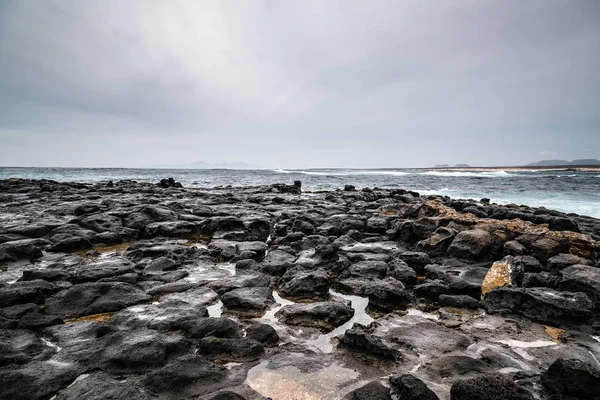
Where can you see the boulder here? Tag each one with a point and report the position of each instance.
(234, 350)
(218, 327)
(323, 315)
(360, 339)
(572, 379)
(399, 269)
(371, 391)
(35, 291)
(36, 380)
(409, 387)
(459, 301)
(505, 272)
(263, 333)
(248, 300)
(101, 386)
(190, 370)
(93, 298)
(489, 387)
(543, 305)
(582, 278)
(19, 346)
(389, 295)
(438, 243)
(16, 250)
(473, 244)
(305, 285)
(562, 261)
(139, 350)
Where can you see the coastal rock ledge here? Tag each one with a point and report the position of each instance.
(127, 290)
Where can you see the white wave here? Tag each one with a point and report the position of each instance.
(467, 174)
(344, 172)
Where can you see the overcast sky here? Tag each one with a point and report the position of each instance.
(297, 84)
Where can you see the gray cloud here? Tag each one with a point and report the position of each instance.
(298, 84)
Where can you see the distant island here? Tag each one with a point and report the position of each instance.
(456, 166)
(581, 163)
(565, 163)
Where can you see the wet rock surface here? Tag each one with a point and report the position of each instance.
(145, 291)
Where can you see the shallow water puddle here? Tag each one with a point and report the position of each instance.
(289, 382)
(216, 310)
(280, 303)
(359, 304)
(210, 272)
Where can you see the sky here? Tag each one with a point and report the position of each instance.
(298, 83)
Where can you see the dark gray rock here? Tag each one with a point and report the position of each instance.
(93, 298)
(140, 350)
(459, 301)
(389, 295)
(563, 261)
(473, 244)
(19, 346)
(37, 321)
(305, 285)
(248, 300)
(218, 327)
(572, 380)
(164, 316)
(399, 269)
(409, 387)
(191, 370)
(101, 386)
(36, 380)
(360, 339)
(539, 304)
(371, 391)
(323, 315)
(263, 333)
(237, 350)
(19, 250)
(35, 291)
(489, 387)
(582, 278)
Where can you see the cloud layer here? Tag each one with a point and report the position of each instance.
(298, 83)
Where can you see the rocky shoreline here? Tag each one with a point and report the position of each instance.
(141, 291)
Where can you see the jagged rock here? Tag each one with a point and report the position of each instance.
(323, 315)
(19, 250)
(572, 380)
(505, 272)
(543, 305)
(36, 380)
(217, 327)
(35, 291)
(309, 285)
(19, 346)
(245, 300)
(94, 298)
(582, 278)
(489, 387)
(459, 301)
(398, 269)
(472, 244)
(563, 261)
(190, 370)
(389, 295)
(360, 339)
(101, 386)
(409, 387)
(371, 391)
(237, 350)
(264, 334)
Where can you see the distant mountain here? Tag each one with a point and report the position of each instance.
(462, 166)
(442, 166)
(563, 163)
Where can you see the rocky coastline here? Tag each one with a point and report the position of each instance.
(132, 290)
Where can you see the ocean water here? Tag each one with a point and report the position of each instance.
(567, 191)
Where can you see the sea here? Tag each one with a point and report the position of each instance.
(568, 191)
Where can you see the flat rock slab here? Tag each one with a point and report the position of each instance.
(94, 298)
(323, 315)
